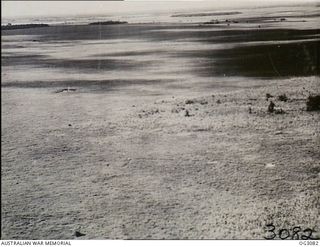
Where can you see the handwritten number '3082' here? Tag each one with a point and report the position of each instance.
(272, 233)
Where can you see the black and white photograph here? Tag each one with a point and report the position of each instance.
(160, 120)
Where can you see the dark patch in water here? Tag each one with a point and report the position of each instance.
(73, 64)
(263, 61)
(13, 60)
(95, 64)
(95, 84)
(130, 53)
(299, 58)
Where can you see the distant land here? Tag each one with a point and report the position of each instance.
(207, 14)
(108, 23)
(22, 26)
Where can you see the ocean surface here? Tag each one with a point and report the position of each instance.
(174, 48)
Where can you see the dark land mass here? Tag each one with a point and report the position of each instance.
(271, 18)
(22, 26)
(108, 23)
(262, 20)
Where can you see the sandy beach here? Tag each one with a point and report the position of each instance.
(159, 131)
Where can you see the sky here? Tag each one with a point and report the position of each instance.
(61, 8)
